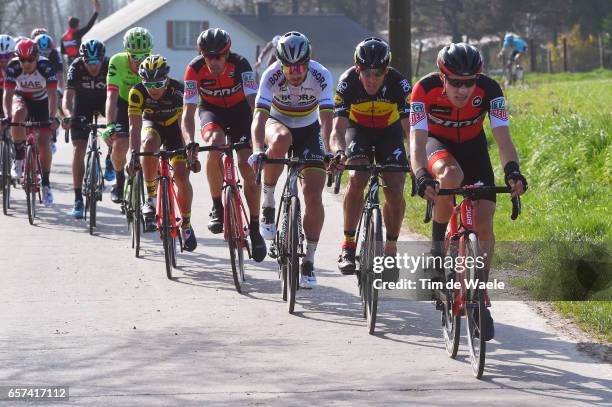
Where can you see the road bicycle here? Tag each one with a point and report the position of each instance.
(7, 154)
(369, 236)
(131, 206)
(469, 299)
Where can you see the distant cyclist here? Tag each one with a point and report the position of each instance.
(156, 105)
(85, 95)
(71, 39)
(7, 52)
(269, 48)
(517, 47)
(122, 76)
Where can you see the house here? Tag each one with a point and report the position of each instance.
(176, 24)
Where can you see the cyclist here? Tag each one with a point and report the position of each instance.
(71, 39)
(156, 105)
(30, 92)
(295, 93)
(269, 48)
(371, 111)
(448, 142)
(85, 95)
(7, 52)
(516, 44)
(224, 85)
(122, 76)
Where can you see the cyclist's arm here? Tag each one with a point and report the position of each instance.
(339, 126)
(326, 117)
(7, 101)
(406, 127)
(112, 96)
(507, 151)
(52, 96)
(251, 101)
(68, 102)
(188, 122)
(258, 129)
(135, 103)
(418, 154)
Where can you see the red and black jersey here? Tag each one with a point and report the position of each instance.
(432, 111)
(225, 90)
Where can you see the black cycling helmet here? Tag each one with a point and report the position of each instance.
(460, 59)
(293, 48)
(214, 41)
(92, 49)
(372, 53)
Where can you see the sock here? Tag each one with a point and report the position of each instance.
(186, 223)
(254, 223)
(438, 230)
(391, 245)
(311, 247)
(78, 194)
(120, 177)
(218, 203)
(19, 150)
(349, 238)
(268, 192)
(45, 178)
(151, 189)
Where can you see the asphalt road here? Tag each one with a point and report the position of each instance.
(81, 311)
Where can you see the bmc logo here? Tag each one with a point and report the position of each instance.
(455, 124)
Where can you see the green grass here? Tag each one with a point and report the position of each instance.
(561, 125)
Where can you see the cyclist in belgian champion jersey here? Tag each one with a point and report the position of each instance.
(156, 105)
(85, 95)
(371, 111)
(448, 143)
(30, 93)
(224, 86)
(122, 76)
(295, 93)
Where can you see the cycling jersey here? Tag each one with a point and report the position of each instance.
(518, 44)
(225, 90)
(87, 88)
(165, 111)
(120, 77)
(295, 106)
(33, 85)
(56, 60)
(432, 111)
(390, 104)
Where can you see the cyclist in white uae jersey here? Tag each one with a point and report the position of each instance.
(293, 95)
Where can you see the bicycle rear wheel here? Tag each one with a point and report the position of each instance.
(475, 308)
(6, 176)
(373, 248)
(166, 231)
(293, 260)
(30, 183)
(451, 322)
(234, 238)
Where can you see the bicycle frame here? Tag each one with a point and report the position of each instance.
(231, 181)
(164, 173)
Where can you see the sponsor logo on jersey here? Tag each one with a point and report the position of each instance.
(248, 79)
(417, 113)
(93, 85)
(498, 108)
(319, 77)
(30, 84)
(405, 86)
(190, 85)
(446, 110)
(222, 92)
(456, 124)
(208, 82)
(338, 99)
(342, 86)
(476, 101)
(275, 77)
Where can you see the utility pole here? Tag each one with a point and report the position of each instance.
(399, 36)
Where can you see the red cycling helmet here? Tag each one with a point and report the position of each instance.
(26, 48)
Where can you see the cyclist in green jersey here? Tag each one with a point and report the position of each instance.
(122, 76)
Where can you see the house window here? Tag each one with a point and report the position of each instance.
(184, 34)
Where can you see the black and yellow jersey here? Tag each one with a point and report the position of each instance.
(388, 105)
(165, 111)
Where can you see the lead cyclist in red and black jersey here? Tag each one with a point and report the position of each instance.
(372, 106)
(224, 86)
(447, 140)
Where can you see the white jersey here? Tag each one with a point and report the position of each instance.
(295, 106)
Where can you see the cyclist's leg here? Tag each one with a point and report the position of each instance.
(79, 148)
(120, 145)
(172, 139)
(390, 151)
(18, 134)
(151, 142)
(39, 111)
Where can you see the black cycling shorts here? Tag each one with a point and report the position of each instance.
(86, 110)
(386, 145)
(171, 136)
(307, 143)
(472, 156)
(235, 121)
(123, 119)
(38, 110)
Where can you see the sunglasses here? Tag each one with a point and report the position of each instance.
(138, 57)
(377, 72)
(457, 83)
(154, 85)
(214, 56)
(294, 69)
(32, 59)
(93, 61)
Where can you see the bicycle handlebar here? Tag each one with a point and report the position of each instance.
(372, 168)
(472, 193)
(162, 153)
(29, 124)
(291, 162)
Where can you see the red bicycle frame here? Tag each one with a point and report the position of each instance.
(229, 171)
(31, 142)
(164, 172)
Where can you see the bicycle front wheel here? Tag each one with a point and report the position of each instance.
(451, 320)
(293, 260)
(166, 225)
(234, 238)
(373, 243)
(30, 183)
(475, 308)
(6, 176)
(92, 192)
(137, 198)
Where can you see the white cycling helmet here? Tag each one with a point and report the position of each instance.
(7, 44)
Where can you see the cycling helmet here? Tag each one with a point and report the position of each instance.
(460, 59)
(45, 43)
(293, 48)
(214, 41)
(26, 48)
(92, 49)
(7, 44)
(154, 68)
(509, 37)
(372, 53)
(138, 40)
(38, 31)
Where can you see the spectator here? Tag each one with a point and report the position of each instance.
(71, 40)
